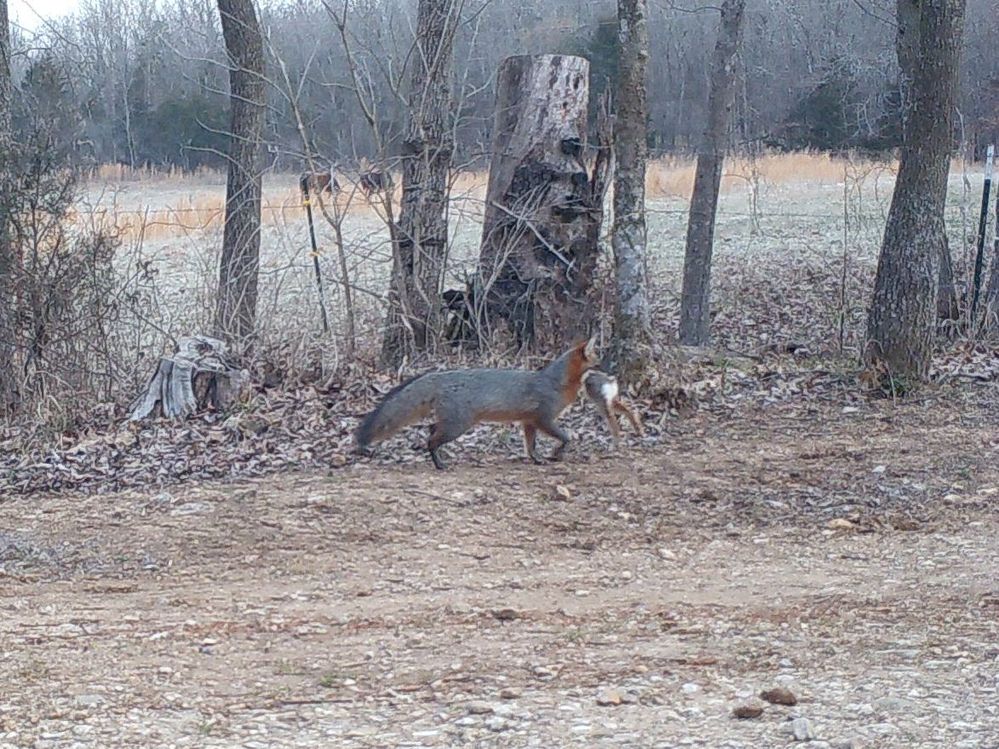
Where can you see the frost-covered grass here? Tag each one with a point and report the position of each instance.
(779, 263)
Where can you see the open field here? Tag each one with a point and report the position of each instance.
(783, 223)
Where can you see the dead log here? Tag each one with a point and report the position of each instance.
(544, 204)
(198, 376)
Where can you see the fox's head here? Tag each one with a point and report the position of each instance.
(581, 357)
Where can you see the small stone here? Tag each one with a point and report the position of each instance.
(879, 469)
(506, 614)
(467, 721)
(479, 707)
(544, 672)
(626, 575)
(690, 688)
(748, 712)
(779, 696)
(665, 553)
(850, 409)
(338, 460)
(561, 493)
(88, 700)
(892, 705)
(840, 524)
(510, 693)
(497, 724)
(609, 698)
(190, 508)
(802, 729)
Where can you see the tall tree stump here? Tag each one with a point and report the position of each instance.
(544, 204)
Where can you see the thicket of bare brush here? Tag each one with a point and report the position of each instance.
(96, 308)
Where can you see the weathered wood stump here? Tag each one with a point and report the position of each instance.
(544, 204)
(198, 376)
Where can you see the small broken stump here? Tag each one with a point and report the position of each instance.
(198, 376)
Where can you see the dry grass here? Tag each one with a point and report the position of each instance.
(671, 177)
(204, 211)
(202, 208)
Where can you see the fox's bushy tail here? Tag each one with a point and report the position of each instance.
(404, 404)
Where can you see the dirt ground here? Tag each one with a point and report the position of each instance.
(849, 557)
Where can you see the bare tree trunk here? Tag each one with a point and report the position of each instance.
(695, 301)
(543, 205)
(908, 50)
(902, 319)
(421, 237)
(632, 334)
(8, 382)
(239, 269)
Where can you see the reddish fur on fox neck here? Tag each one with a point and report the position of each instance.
(577, 365)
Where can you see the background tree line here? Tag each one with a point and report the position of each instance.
(142, 83)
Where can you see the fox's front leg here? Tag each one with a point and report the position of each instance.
(549, 427)
(530, 438)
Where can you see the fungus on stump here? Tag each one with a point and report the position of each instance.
(544, 204)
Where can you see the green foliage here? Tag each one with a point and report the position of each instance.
(601, 46)
(189, 131)
(44, 113)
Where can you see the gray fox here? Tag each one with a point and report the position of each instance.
(461, 398)
(602, 389)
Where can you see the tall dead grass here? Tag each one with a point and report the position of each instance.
(673, 177)
(203, 208)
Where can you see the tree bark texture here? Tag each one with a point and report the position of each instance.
(695, 300)
(8, 381)
(907, 48)
(992, 289)
(902, 319)
(421, 237)
(239, 268)
(632, 335)
(544, 204)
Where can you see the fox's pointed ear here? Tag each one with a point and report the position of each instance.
(590, 349)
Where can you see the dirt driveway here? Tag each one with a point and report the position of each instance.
(852, 559)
